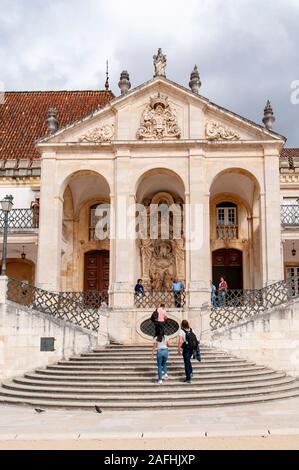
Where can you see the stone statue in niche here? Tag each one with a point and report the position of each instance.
(156, 281)
(162, 259)
(167, 281)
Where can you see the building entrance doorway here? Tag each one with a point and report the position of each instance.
(229, 264)
(96, 271)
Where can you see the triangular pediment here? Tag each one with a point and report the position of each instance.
(161, 110)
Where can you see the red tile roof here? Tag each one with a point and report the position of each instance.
(291, 155)
(23, 117)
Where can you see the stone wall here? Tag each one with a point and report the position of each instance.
(21, 331)
(270, 339)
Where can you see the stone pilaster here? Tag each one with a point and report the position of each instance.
(50, 232)
(123, 255)
(199, 256)
(270, 219)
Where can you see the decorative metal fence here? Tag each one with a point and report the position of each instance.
(154, 299)
(80, 308)
(237, 305)
(20, 220)
(290, 216)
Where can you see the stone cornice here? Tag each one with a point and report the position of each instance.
(13, 177)
(80, 146)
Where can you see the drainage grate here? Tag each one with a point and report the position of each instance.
(148, 327)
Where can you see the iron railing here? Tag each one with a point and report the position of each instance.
(80, 308)
(236, 305)
(152, 299)
(290, 216)
(227, 232)
(20, 220)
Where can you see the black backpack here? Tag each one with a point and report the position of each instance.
(191, 342)
(154, 316)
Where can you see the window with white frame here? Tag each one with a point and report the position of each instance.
(227, 214)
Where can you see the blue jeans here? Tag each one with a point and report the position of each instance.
(222, 297)
(214, 301)
(187, 355)
(162, 356)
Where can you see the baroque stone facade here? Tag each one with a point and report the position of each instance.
(157, 144)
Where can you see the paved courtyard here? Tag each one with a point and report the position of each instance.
(272, 425)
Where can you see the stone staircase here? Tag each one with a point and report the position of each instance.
(125, 378)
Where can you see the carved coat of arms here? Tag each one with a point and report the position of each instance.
(159, 120)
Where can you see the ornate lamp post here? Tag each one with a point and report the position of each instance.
(6, 205)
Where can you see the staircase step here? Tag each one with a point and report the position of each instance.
(166, 396)
(124, 405)
(132, 363)
(151, 366)
(143, 374)
(140, 388)
(125, 377)
(74, 381)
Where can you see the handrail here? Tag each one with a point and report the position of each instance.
(233, 306)
(153, 299)
(290, 215)
(21, 220)
(80, 308)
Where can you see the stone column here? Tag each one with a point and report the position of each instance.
(199, 256)
(270, 219)
(50, 231)
(123, 254)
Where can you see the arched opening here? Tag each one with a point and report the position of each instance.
(84, 192)
(228, 263)
(21, 270)
(160, 252)
(235, 228)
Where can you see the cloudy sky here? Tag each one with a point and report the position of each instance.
(247, 51)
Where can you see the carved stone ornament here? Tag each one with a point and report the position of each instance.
(217, 131)
(162, 259)
(159, 120)
(99, 135)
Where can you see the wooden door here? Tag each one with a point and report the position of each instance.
(228, 263)
(96, 271)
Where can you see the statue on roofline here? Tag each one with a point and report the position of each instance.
(160, 63)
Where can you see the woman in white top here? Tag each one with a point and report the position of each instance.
(161, 345)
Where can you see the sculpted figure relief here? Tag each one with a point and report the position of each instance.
(167, 281)
(162, 259)
(159, 120)
(156, 281)
(99, 135)
(217, 131)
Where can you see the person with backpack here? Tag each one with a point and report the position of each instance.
(189, 345)
(161, 345)
(159, 318)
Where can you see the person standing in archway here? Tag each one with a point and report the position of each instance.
(178, 288)
(35, 211)
(222, 290)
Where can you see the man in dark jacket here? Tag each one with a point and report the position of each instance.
(139, 291)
